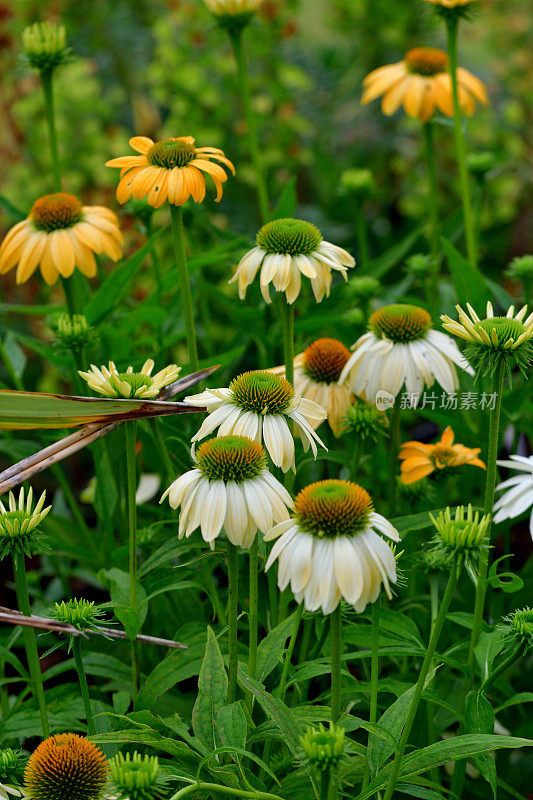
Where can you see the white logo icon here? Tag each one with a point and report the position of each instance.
(384, 400)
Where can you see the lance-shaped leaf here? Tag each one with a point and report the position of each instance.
(101, 422)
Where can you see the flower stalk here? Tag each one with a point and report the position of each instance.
(426, 664)
(433, 212)
(48, 91)
(178, 235)
(236, 37)
(287, 317)
(233, 596)
(30, 639)
(374, 676)
(336, 660)
(452, 23)
(130, 429)
(84, 687)
(394, 445)
(253, 613)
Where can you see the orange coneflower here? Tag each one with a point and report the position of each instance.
(420, 460)
(66, 766)
(171, 169)
(58, 235)
(421, 82)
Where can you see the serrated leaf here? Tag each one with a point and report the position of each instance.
(231, 726)
(212, 691)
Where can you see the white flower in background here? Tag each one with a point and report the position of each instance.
(519, 495)
(143, 385)
(287, 249)
(260, 405)
(330, 548)
(401, 348)
(10, 792)
(229, 489)
(316, 375)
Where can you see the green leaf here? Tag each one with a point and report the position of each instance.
(276, 710)
(516, 700)
(272, 647)
(468, 281)
(379, 267)
(490, 644)
(15, 354)
(286, 205)
(479, 718)
(231, 726)
(380, 748)
(412, 790)
(119, 588)
(107, 297)
(14, 213)
(212, 690)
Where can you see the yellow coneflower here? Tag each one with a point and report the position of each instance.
(420, 460)
(231, 8)
(421, 82)
(112, 383)
(171, 169)
(66, 766)
(59, 235)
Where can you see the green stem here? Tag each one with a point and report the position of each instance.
(496, 385)
(374, 677)
(215, 787)
(426, 664)
(253, 613)
(163, 449)
(233, 596)
(84, 687)
(30, 640)
(130, 429)
(394, 446)
(290, 651)
(336, 656)
(70, 297)
(176, 217)
(287, 318)
(46, 79)
(324, 784)
(253, 144)
(516, 653)
(433, 211)
(460, 144)
(361, 232)
(354, 466)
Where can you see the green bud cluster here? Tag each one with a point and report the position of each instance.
(12, 766)
(19, 523)
(479, 164)
(466, 530)
(358, 183)
(45, 45)
(520, 268)
(79, 613)
(419, 265)
(72, 332)
(323, 748)
(137, 777)
(363, 288)
(366, 421)
(520, 626)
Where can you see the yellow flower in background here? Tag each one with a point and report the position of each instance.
(450, 3)
(112, 383)
(287, 249)
(59, 235)
(316, 374)
(422, 83)
(230, 8)
(420, 460)
(171, 169)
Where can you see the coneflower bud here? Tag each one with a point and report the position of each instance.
(366, 421)
(323, 747)
(520, 268)
(480, 164)
(72, 332)
(45, 45)
(66, 766)
(520, 626)
(137, 777)
(466, 530)
(420, 266)
(19, 523)
(12, 766)
(358, 183)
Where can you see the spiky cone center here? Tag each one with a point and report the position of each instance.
(502, 331)
(427, 61)
(170, 153)
(262, 392)
(400, 323)
(54, 212)
(322, 747)
(66, 766)
(332, 508)
(231, 458)
(463, 531)
(136, 381)
(289, 236)
(79, 613)
(324, 360)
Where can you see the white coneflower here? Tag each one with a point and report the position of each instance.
(316, 375)
(330, 548)
(494, 340)
(519, 497)
(260, 405)
(400, 348)
(230, 488)
(112, 383)
(287, 249)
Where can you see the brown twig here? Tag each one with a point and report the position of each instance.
(12, 617)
